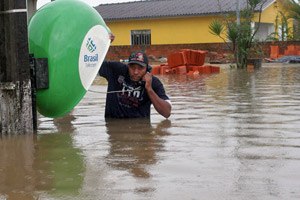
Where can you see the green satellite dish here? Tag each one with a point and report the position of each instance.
(75, 39)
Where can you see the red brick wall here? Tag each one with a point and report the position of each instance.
(122, 52)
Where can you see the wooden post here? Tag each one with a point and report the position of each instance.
(16, 116)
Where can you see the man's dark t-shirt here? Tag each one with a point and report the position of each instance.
(132, 99)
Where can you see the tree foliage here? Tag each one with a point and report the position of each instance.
(240, 35)
(292, 8)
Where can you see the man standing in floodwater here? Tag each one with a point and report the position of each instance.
(132, 89)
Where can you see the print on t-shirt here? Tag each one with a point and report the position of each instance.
(131, 95)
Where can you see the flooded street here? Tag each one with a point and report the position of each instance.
(232, 135)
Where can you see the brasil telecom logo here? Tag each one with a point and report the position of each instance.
(91, 47)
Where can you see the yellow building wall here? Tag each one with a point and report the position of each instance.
(286, 14)
(166, 31)
(268, 15)
(185, 30)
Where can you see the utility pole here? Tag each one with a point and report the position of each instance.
(238, 22)
(31, 8)
(238, 18)
(16, 115)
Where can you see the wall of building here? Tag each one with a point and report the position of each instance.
(272, 15)
(269, 14)
(181, 30)
(122, 52)
(189, 30)
(117, 53)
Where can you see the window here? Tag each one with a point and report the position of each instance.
(141, 37)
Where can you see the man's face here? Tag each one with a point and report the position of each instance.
(136, 72)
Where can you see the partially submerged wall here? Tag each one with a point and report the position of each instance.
(159, 51)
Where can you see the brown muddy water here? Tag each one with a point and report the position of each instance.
(232, 135)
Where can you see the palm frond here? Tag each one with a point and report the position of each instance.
(216, 27)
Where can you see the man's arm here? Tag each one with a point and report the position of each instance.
(162, 106)
(110, 67)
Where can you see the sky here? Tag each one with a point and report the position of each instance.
(90, 2)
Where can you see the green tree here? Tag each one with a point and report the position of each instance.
(239, 34)
(292, 8)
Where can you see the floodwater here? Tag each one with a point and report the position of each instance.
(232, 135)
